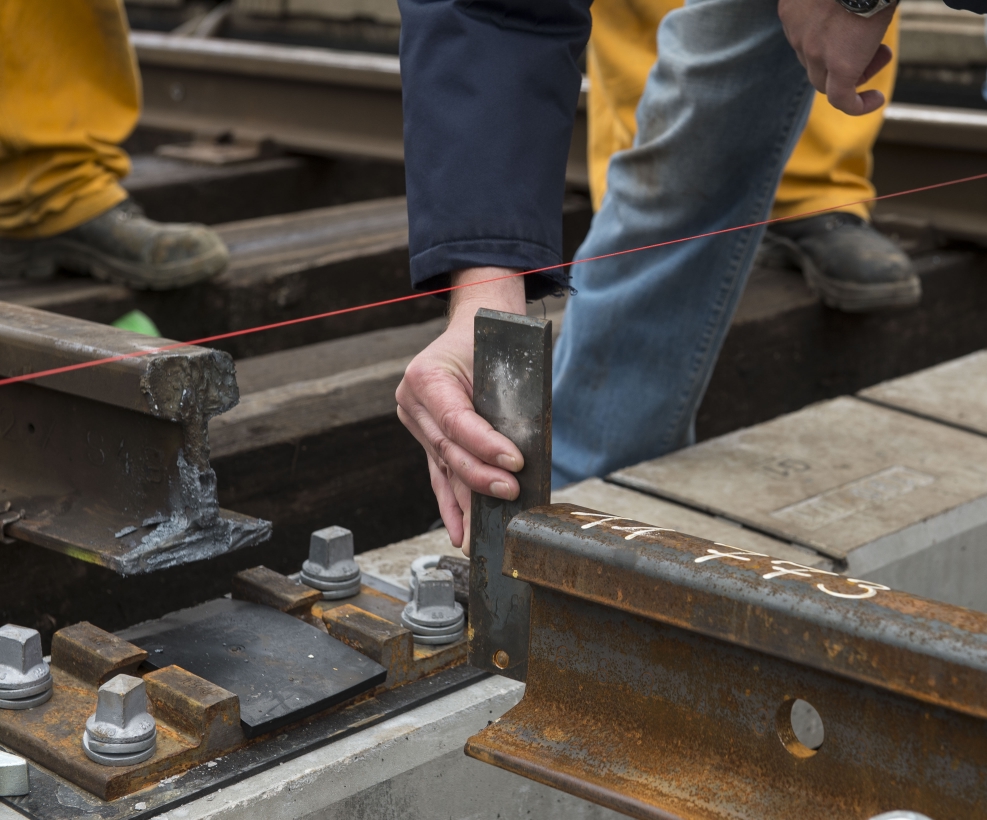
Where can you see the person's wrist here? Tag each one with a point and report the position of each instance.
(489, 287)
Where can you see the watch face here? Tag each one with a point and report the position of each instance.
(860, 6)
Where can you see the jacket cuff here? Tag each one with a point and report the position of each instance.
(431, 269)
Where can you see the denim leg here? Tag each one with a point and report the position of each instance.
(721, 112)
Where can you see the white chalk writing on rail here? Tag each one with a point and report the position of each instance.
(780, 568)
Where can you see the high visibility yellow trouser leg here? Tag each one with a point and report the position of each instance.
(69, 95)
(831, 165)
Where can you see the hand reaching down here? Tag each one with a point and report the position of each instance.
(435, 403)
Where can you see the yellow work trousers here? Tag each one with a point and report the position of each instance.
(69, 95)
(831, 165)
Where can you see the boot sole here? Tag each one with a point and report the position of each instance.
(84, 259)
(852, 297)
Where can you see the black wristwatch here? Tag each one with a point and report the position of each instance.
(866, 8)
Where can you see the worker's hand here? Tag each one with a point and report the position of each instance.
(840, 51)
(435, 402)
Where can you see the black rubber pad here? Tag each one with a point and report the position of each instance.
(282, 669)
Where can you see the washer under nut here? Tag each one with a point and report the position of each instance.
(433, 616)
(121, 732)
(25, 678)
(330, 566)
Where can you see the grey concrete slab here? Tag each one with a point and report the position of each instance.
(610, 498)
(954, 392)
(411, 766)
(902, 500)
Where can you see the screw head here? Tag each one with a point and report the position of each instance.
(330, 554)
(21, 659)
(435, 592)
(121, 711)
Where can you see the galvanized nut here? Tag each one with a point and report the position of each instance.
(121, 732)
(433, 616)
(25, 678)
(330, 566)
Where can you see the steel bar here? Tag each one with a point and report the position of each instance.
(349, 103)
(664, 670)
(110, 464)
(512, 389)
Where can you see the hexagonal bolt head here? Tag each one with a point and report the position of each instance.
(435, 589)
(20, 651)
(332, 549)
(121, 710)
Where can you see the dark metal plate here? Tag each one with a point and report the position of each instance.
(282, 669)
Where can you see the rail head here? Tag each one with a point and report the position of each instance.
(173, 385)
(853, 628)
(109, 463)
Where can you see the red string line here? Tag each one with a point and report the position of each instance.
(342, 311)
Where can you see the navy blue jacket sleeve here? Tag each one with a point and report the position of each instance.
(978, 6)
(490, 94)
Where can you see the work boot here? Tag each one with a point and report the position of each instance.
(845, 261)
(124, 246)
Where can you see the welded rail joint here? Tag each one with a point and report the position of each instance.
(663, 670)
(512, 389)
(111, 463)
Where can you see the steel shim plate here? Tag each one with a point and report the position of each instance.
(282, 668)
(512, 389)
(663, 670)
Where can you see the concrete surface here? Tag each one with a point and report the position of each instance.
(902, 500)
(411, 766)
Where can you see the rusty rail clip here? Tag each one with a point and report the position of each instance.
(664, 669)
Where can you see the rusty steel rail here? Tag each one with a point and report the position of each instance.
(664, 669)
(110, 464)
(349, 103)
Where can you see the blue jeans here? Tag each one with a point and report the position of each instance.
(721, 112)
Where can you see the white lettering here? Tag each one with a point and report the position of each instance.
(871, 589)
(738, 553)
(798, 570)
(636, 531)
(604, 519)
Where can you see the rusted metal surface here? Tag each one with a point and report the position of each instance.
(261, 585)
(196, 720)
(371, 623)
(110, 464)
(663, 670)
(512, 390)
(93, 656)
